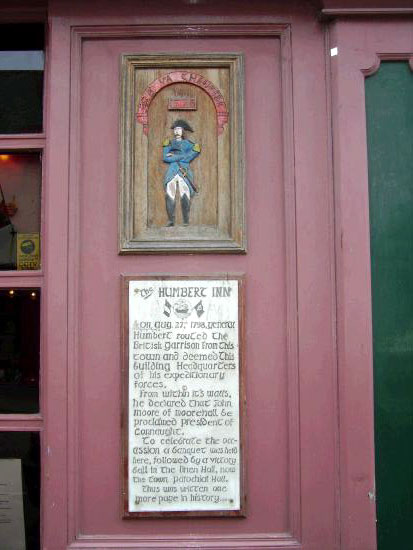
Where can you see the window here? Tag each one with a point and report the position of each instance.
(20, 205)
(22, 143)
(21, 79)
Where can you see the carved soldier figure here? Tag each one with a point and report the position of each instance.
(179, 153)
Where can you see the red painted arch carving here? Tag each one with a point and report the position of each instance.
(190, 78)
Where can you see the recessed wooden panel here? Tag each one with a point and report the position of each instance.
(273, 483)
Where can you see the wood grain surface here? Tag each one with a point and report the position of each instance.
(217, 218)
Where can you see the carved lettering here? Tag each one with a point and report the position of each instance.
(182, 76)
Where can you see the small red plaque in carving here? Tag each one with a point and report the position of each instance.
(182, 104)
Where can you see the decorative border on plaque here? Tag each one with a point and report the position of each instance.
(199, 171)
(183, 396)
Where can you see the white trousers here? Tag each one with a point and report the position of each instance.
(177, 182)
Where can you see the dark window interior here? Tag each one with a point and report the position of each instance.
(19, 350)
(21, 89)
(24, 37)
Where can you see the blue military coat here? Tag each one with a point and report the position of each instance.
(183, 152)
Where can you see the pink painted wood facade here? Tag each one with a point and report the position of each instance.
(310, 439)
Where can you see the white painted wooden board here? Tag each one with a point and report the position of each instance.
(184, 421)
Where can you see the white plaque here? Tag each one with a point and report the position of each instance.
(12, 536)
(184, 446)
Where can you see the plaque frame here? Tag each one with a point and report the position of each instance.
(242, 511)
(137, 233)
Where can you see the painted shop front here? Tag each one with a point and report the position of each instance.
(206, 274)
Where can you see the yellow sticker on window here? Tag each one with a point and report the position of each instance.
(28, 251)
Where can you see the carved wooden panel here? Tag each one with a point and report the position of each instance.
(156, 93)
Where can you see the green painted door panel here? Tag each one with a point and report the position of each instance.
(389, 106)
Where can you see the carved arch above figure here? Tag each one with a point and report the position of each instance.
(187, 77)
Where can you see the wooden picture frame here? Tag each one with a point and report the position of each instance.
(149, 485)
(205, 94)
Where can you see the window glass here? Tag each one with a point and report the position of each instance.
(19, 350)
(20, 201)
(21, 78)
(20, 490)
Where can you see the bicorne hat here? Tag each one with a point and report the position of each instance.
(182, 124)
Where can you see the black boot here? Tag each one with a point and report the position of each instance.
(170, 210)
(185, 205)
